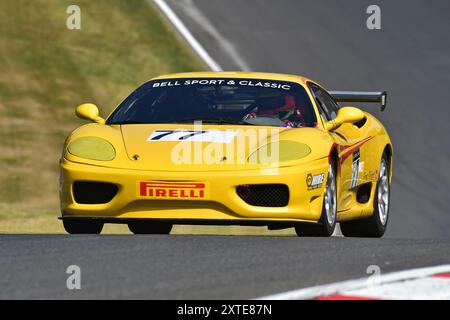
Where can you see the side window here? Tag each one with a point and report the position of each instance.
(328, 107)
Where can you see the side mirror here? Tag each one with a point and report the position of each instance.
(89, 111)
(345, 115)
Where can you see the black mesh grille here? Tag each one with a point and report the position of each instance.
(86, 192)
(264, 195)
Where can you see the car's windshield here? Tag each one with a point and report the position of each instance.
(219, 101)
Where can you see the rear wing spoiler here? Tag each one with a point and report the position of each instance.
(360, 96)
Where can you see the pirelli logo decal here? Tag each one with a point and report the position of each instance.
(173, 190)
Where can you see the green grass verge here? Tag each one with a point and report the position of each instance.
(46, 70)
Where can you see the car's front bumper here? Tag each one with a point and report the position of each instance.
(223, 203)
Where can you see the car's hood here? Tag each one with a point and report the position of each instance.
(168, 147)
(187, 147)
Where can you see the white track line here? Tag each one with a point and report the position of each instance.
(329, 289)
(198, 48)
(225, 45)
(428, 288)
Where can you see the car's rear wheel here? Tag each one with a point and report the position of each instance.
(149, 227)
(82, 226)
(375, 225)
(327, 222)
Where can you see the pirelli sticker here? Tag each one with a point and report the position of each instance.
(173, 190)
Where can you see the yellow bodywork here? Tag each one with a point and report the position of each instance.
(140, 164)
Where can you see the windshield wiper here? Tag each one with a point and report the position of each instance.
(215, 121)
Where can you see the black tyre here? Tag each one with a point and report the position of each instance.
(81, 226)
(327, 222)
(149, 227)
(374, 226)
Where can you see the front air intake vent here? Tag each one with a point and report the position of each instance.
(264, 195)
(88, 192)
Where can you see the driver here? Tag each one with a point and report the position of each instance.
(288, 112)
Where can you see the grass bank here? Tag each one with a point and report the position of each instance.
(47, 69)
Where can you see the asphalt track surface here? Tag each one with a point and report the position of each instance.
(327, 41)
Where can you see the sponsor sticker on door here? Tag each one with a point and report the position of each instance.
(314, 181)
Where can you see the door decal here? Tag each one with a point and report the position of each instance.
(355, 168)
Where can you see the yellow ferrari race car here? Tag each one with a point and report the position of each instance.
(229, 148)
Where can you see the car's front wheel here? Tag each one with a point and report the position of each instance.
(82, 226)
(375, 225)
(327, 222)
(150, 227)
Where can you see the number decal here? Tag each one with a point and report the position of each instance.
(192, 135)
(173, 135)
(161, 134)
(355, 169)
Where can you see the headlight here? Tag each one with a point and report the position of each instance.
(280, 151)
(92, 148)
